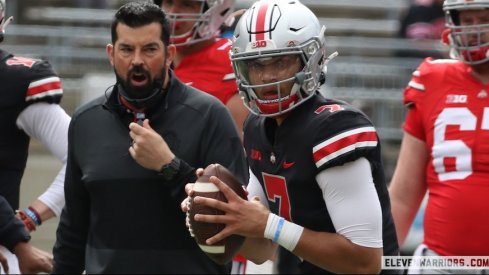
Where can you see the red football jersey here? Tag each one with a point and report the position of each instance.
(210, 70)
(450, 112)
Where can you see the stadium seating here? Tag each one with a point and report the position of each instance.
(366, 72)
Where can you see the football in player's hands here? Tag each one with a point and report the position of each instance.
(223, 251)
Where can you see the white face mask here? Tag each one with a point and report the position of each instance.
(3, 23)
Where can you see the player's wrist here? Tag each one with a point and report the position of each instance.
(30, 218)
(282, 232)
(34, 215)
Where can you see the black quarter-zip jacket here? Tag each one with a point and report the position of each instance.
(122, 218)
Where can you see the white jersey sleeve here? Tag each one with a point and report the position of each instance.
(352, 202)
(49, 124)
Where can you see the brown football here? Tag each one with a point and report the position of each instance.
(223, 251)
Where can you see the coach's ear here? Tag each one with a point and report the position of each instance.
(110, 53)
(171, 52)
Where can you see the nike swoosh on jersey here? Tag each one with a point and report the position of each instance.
(287, 165)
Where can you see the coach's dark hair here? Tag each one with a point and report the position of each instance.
(138, 14)
(158, 2)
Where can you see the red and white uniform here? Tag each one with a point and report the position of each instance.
(450, 112)
(210, 70)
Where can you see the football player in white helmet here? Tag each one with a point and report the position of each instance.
(202, 59)
(316, 184)
(278, 47)
(444, 148)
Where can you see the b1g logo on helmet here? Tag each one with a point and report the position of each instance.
(259, 44)
(292, 43)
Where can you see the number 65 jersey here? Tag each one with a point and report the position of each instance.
(449, 111)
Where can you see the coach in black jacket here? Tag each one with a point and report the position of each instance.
(122, 212)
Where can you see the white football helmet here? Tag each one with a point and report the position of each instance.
(457, 37)
(273, 28)
(3, 22)
(213, 14)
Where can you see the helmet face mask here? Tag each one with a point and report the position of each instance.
(271, 81)
(468, 42)
(3, 22)
(2, 10)
(205, 22)
(273, 30)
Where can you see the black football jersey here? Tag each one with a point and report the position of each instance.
(23, 81)
(319, 134)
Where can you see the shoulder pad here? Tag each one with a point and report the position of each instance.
(343, 137)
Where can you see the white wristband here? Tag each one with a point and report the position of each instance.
(282, 232)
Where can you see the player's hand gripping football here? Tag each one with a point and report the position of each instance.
(242, 217)
(148, 148)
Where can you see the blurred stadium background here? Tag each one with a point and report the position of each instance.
(370, 71)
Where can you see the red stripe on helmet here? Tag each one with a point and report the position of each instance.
(260, 22)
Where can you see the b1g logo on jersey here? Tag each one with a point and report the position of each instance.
(16, 60)
(259, 44)
(456, 99)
